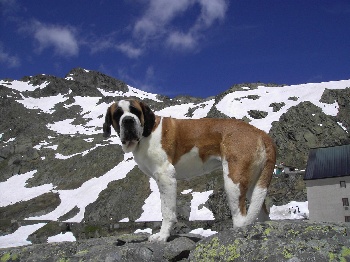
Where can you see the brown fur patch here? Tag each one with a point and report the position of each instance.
(233, 140)
(112, 109)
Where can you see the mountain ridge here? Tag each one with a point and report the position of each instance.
(51, 141)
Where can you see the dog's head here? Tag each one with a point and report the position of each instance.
(131, 119)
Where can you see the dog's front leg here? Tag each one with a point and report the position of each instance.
(167, 187)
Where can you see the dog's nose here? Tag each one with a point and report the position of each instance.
(128, 120)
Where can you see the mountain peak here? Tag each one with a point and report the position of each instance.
(97, 79)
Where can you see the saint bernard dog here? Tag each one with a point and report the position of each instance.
(168, 149)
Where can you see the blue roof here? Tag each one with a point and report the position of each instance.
(328, 162)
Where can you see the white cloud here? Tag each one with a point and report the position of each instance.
(211, 11)
(156, 23)
(159, 26)
(62, 39)
(159, 13)
(182, 41)
(100, 45)
(8, 6)
(10, 61)
(129, 50)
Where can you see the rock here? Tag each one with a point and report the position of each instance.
(277, 241)
(286, 188)
(268, 241)
(134, 247)
(121, 199)
(303, 127)
(38, 206)
(277, 106)
(257, 114)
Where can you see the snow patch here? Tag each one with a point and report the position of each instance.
(131, 92)
(22, 86)
(203, 232)
(200, 110)
(151, 208)
(146, 230)
(14, 189)
(86, 194)
(62, 237)
(45, 104)
(237, 104)
(20, 236)
(198, 211)
(292, 210)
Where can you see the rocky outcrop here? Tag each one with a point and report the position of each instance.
(277, 241)
(303, 127)
(120, 248)
(270, 241)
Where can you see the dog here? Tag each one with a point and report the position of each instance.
(169, 149)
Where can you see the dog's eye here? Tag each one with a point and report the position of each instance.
(118, 113)
(135, 111)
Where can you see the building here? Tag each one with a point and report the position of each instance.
(327, 179)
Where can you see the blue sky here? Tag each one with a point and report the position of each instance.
(195, 47)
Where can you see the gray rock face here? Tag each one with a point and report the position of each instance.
(128, 195)
(130, 247)
(277, 241)
(303, 127)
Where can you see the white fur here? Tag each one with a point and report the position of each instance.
(191, 165)
(153, 161)
(255, 209)
(125, 105)
(233, 192)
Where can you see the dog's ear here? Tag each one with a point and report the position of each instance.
(107, 124)
(149, 119)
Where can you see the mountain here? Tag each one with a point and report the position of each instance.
(56, 166)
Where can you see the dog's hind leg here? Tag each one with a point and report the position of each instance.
(263, 170)
(236, 196)
(239, 188)
(257, 209)
(166, 182)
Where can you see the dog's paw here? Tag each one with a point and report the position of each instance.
(159, 237)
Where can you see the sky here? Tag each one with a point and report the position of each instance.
(193, 47)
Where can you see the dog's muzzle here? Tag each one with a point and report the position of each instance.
(131, 134)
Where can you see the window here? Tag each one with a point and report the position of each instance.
(347, 218)
(342, 184)
(345, 202)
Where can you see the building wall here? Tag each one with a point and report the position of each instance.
(325, 199)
